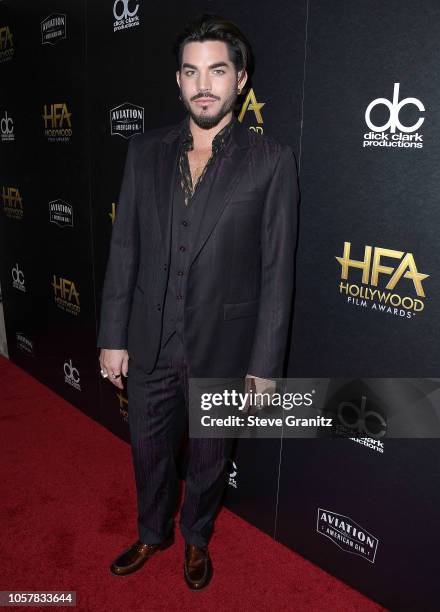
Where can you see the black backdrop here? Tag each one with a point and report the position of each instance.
(72, 73)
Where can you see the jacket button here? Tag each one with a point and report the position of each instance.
(159, 307)
(165, 267)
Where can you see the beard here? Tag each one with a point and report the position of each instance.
(205, 121)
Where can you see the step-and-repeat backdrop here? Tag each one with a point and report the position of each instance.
(353, 88)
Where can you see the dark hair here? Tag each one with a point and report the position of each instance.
(213, 27)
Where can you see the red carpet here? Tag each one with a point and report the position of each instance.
(65, 516)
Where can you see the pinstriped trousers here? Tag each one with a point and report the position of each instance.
(158, 415)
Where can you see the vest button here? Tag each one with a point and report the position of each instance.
(159, 307)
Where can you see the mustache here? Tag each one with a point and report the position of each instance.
(204, 95)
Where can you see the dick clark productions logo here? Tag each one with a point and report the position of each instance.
(71, 375)
(18, 278)
(125, 14)
(394, 133)
(6, 128)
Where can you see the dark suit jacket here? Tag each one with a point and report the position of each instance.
(240, 281)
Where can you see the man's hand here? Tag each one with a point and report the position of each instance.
(114, 362)
(264, 386)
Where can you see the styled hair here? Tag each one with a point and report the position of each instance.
(213, 27)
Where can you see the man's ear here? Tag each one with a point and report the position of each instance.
(178, 77)
(242, 78)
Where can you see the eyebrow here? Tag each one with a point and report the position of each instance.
(216, 65)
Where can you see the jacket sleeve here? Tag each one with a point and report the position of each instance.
(122, 265)
(278, 245)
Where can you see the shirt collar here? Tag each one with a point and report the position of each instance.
(218, 141)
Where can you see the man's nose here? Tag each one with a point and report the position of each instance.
(204, 83)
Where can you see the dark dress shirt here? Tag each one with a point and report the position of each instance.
(188, 204)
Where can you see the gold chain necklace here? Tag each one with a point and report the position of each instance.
(199, 165)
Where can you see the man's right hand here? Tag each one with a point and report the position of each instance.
(115, 363)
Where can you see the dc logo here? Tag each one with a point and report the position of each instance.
(360, 420)
(71, 372)
(17, 275)
(394, 108)
(6, 124)
(124, 8)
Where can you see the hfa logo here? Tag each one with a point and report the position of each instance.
(126, 120)
(6, 44)
(7, 128)
(18, 278)
(66, 295)
(12, 203)
(123, 406)
(250, 104)
(53, 29)
(399, 135)
(57, 122)
(125, 14)
(112, 214)
(71, 375)
(374, 270)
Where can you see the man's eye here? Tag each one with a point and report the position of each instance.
(189, 72)
(219, 70)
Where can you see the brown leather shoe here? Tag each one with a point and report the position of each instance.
(134, 557)
(197, 567)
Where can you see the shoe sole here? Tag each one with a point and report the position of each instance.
(162, 546)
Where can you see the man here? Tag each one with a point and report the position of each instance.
(199, 283)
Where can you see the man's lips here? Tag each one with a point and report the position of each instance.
(202, 101)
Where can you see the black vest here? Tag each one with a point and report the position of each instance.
(185, 223)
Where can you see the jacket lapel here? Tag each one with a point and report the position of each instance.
(165, 174)
(229, 171)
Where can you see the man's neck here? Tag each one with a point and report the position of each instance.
(202, 139)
